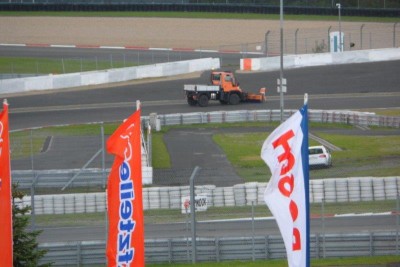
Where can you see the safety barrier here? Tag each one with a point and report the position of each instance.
(222, 249)
(107, 76)
(328, 190)
(269, 115)
(319, 59)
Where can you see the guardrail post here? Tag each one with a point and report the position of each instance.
(323, 226)
(397, 223)
(267, 247)
(252, 230)
(33, 224)
(103, 156)
(78, 254)
(371, 244)
(217, 252)
(169, 250)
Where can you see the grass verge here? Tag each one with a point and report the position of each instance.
(199, 15)
(23, 65)
(360, 155)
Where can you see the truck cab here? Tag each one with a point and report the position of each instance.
(225, 80)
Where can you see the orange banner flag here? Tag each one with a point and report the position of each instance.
(125, 245)
(6, 233)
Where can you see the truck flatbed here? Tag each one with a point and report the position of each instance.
(201, 88)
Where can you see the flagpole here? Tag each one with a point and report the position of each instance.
(307, 181)
(281, 59)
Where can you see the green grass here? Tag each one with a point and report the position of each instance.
(160, 155)
(200, 15)
(361, 155)
(23, 65)
(384, 111)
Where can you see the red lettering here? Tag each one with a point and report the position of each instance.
(286, 155)
(294, 211)
(296, 240)
(286, 185)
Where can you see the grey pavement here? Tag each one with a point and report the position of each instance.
(64, 152)
(193, 147)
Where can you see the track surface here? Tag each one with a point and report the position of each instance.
(238, 228)
(353, 86)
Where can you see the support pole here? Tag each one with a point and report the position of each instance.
(339, 6)
(193, 213)
(361, 36)
(281, 60)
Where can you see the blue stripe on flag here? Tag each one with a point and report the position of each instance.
(304, 155)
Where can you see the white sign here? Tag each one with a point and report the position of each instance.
(200, 203)
(278, 81)
(336, 42)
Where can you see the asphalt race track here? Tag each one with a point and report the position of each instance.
(234, 228)
(352, 86)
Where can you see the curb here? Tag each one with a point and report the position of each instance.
(141, 48)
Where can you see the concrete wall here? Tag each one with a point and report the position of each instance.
(106, 76)
(319, 59)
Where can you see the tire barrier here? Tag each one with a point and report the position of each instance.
(331, 190)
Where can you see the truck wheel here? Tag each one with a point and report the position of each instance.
(234, 99)
(203, 101)
(191, 101)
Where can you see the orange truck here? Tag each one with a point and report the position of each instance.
(224, 88)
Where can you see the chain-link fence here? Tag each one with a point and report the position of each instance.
(317, 40)
(303, 40)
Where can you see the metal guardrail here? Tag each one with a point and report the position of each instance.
(322, 116)
(88, 253)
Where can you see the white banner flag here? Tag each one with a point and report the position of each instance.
(286, 153)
